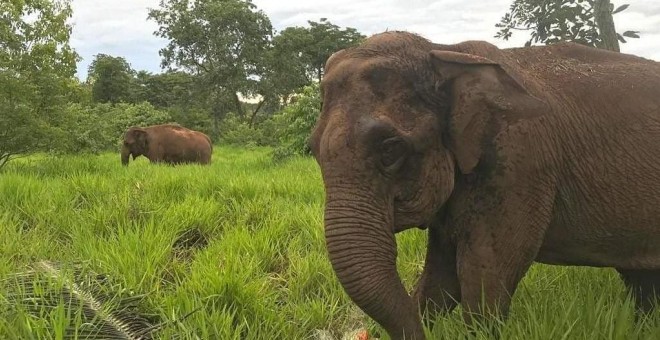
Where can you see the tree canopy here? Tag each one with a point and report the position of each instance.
(165, 90)
(297, 55)
(218, 54)
(587, 22)
(222, 42)
(37, 67)
(327, 38)
(111, 79)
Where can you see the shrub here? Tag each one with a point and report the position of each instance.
(126, 115)
(101, 127)
(21, 131)
(85, 130)
(297, 121)
(194, 119)
(236, 131)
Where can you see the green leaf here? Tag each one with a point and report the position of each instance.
(631, 34)
(568, 20)
(37, 67)
(621, 39)
(620, 8)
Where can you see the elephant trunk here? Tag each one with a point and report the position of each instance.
(124, 155)
(362, 250)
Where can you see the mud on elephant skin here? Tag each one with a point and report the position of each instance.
(166, 143)
(506, 156)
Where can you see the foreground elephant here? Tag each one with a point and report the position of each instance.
(507, 156)
(167, 143)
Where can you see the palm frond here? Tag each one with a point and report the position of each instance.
(105, 311)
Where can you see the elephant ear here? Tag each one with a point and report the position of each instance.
(479, 88)
(141, 138)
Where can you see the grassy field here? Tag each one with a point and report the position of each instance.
(243, 241)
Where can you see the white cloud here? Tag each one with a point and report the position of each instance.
(120, 27)
(643, 16)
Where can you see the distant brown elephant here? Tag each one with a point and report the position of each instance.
(506, 156)
(167, 143)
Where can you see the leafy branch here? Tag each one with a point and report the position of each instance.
(587, 22)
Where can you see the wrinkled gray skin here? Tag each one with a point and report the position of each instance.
(506, 156)
(166, 143)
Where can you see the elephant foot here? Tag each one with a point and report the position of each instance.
(644, 286)
(436, 295)
(436, 299)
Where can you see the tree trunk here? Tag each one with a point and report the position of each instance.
(5, 157)
(605, 22)
(254, 114)
(216, 126)
(239, 106)
(6, 149)
(218, 111)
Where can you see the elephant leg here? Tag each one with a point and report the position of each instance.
(438, 290)
(644, 286)
(490, 267)
(497, 242)
(488, 281)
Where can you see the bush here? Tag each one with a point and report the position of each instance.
(96, 128)
(297, 121)
(194, 119)
(85, 130)
(236, 131)
(21, 131)
(101, 127)
(124, 116)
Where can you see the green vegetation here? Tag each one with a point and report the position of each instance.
(227, 73)
(586, 22)
(223, 42)
(37, 66)
(239, 244)
(101, 127)
(297, 122)
(111, 79)
(241, 239)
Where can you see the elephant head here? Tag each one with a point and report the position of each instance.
(136, 143)
(401, 120)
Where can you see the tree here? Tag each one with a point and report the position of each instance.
(285, 71)
(297, 121)
(298, 55)
(37, 66)
(587, 22)
(309, 47)
(327, 39)
(221, 42)
(111, 79)
(176, 92)
(289, 60)
(165, 90)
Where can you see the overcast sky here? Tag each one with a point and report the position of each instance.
(121, 28)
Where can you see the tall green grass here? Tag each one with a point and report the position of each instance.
(242, 239)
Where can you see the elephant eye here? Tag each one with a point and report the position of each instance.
(393, 152)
